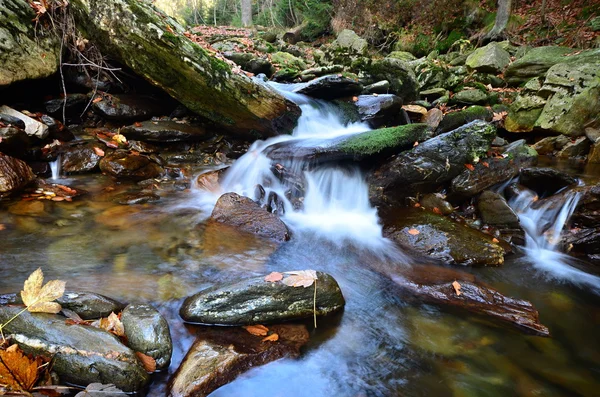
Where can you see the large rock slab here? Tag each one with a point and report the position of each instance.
(331, 86)
(437, 237)
(33, 127)
(546, 181)
(127, 107)
(140, 36)
(256, 301)
(219, 355)
(166, 131)
(80, 354)
(431, 163)
(380, 110)
(26, 52)
(14, 174)
(454, 120)
(246, 215)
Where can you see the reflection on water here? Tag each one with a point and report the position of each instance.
(379, 346)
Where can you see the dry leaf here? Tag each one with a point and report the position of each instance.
(17, 371)
(100, 390)
(73, 318)
(456, 286)
(99, 151)
(148, 362)
(436, 210)
(485, 164)
(273, 277)
(416, 144)
(413, 232)
(470, 167)
(499, 116)
(301, 278)
(112, 324)
(40, 299)
(495, 240)
(119, 138)
(271, 338)
(97, 99)
(137, 124)
(258, 330)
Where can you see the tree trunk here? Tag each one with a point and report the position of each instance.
(502, 16)
(247, 13)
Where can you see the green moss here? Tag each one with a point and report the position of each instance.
(384, 139)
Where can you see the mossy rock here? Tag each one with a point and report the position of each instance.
(454, 120)
(489, 59)
(288, 61)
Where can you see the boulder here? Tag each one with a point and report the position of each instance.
(436, 202)
(348, 40)
(430, 164)
(489, 59)
(470, 97)
(74, 105)
(495, 210)
(80, 354)
(550, 144)
(251, 62)
(26, 52)
(399, 74)
(145, 39)
(33, 128)
(166, 131)
(439, 238)
(257, 301)
(380, 110)
(13, 141)
(127, 107)
(247, 216)
(148, 332)
(546, 181)
(379, 87)
(80, 158)
(219, 355)
(331, 87)
(14, 175)
(577, 149)
(454, 120)
(123, 164)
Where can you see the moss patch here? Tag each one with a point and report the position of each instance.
(385, 139)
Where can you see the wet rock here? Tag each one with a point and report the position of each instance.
(74, 105)
(137, 198)
(246, 215)
(148, 332)
(490, 171)
(546, 181)
(80, 354)
(575, 149)
(594, 155)
(434, 93)
(380, 110)
(322, 70)
(14, 141)
(455, 120)
(27, 208)
(14, 175)
(122, 164)
(251, 62)
(433, 118)
(550, 144)
(142, 147)
(584, 242)
(436, 202)
(495, 210)
(399, 74)
(80, 158)
(379, 87)
(489, 59)
(256, 301)
(219, 355)
(433, 285)
(210, 180)
(470, 97)
(33, 127)
(437, 237)
(127, 107)
(428, 165)
(331, 87)
(166, 131)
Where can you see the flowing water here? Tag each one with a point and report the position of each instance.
(55, 168)
(379, 346)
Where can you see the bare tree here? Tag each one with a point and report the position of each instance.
(247, 13)
(502, 17)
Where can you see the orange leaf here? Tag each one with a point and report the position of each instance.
(470, 167)
(456, 286)
(99, 151)
(97, 99)
(416, 144)
(17, 371)
(436, 210)
(273, 277)
(148, 362)
(413, 232)
(258, 330)
(485, 164)
(417, 205)
(354, 99)
(271, 338)
(495, 240)
(137, 124)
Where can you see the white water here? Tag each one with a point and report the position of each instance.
(336, 202)
(543, 226)
(55, 167)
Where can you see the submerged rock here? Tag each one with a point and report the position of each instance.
(166, 131)
(80, 158)
(122, 164)
(331, 87)
(15, 174)
(256, 301)
(219, 355)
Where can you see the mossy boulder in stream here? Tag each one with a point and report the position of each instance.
(154, 46)
(257, 301)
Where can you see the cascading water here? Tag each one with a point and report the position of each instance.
(55, 167)
(543, 225)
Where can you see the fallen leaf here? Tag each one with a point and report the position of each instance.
(271, 338)
(99, 151)
(272, 277)
(97, 99)
(112, 324)
(100, 390)
(137, 124)
(495, 240)
(416, 144)
(499, 116)
(258, 330)
(485, 164)
(456, 286)
(301, 278)
(436, 210)
(17, 371)
(119, 138)
(470, 167)
(354, 99)
(40, 299)
(72, 317)
(417, 205)
(148, 362)
(413, 232)
(2, 227)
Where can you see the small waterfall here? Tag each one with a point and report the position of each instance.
(55, 167)
(543, 225)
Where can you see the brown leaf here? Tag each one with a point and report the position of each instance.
(97, 99)
(485, 164)
(456, 286)
(495, 240)
(258, 330)
(301, 278)
(470, 167)
(112, 324)
(137, 124)
(499, 116)
(436, 210)
(17, 371)
(413, 232)
(98, 151)
(40, 299)
(271, 338)
(148, 362)
(273, 277)
(416, 144)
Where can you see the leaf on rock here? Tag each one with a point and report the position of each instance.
(148, 362)
(40, 298)
(499, 116)
(470, 167)
(112, 324)
(271, 338)
(413, 232)
(456, 286)
(257, 330)
(100, 390)
(98, 151)
(119, 138)
(97, 99)
(301, 278)
(274, 277)
(17, 371)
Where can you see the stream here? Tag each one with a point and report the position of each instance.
(379, 346)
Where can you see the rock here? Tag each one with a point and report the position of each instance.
(489, 59)
(145, 39)
(122, 164)
(545, 181)
(256, 301)
(402, 55)
(80, 354)
(80, 158)
(323, 70)
(14, 175)
(148, 332)
(495, 210)
(33, 127)
(13, 121)
(436, 202)
(380, 110)
(399, 74)
(348, 40)
(127, 107)
(594, 155)
(470, 97)
(166, 131)
(490, 171)
(74, 105)
(439, 238)
(247, 216)
(288, 61)
(28, 208)
(434, 93)
(433, 285)
(524, 112)
(454, 120)
(380, 87)
(251, 62)
(550, 144)
(433, 118)
(575, 149)
(27, 52)
(331, 87)
(219, 355)
(430, 164)
(210, 181)
(593, 134)
(14, 141)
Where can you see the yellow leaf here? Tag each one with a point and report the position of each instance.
(17, 371)
(301, 278)
(456, 286)
(119, 138)
(40, 299)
